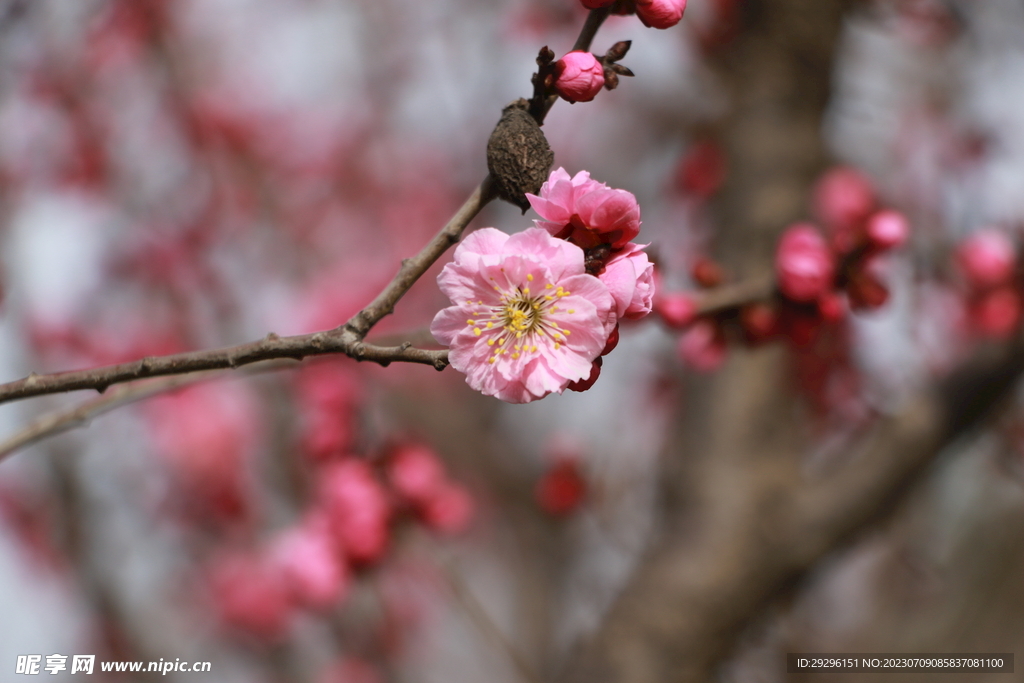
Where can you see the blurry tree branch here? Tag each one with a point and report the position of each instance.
(693, 596)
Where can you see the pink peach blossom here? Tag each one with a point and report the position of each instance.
(660, 13)
(629, 276)
(987, 258)
(586, 212)
(580, 77)
(526, 319)
(357, 509)
(804, 265)
(416, 473)
(310, 562)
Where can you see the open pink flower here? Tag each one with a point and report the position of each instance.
(586, 212)
(580, 76)
(660, 13)
(629, 276)
(526, 319)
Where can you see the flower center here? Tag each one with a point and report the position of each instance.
(521, 320)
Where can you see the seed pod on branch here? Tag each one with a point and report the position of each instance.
(518, 155)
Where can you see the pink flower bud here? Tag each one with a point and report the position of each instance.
(416, 473)
(251, 595)
(595, 373)
(676, 309)
(660, 13)
(310, 564)
(843, 198)
(888, 229)
(580, 76)
(357, 508)
(831, 307)
(866, 291)
(760, 323)
(450, 510)
(997, 313)
(987, 259)
(804, 265)
(562, 488)
(703, 346)
(613, 341)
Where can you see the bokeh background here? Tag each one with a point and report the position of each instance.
(186, 174)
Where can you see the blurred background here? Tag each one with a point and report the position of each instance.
(187, 174)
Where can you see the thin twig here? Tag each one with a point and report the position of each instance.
(62, 421)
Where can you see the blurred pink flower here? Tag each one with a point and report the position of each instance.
(804, 264)
(310, 562)
(660, 13)
(586, 212)
(526, 319)
(676, 309)
(357, 509)
(987, 258)
(416, 473)
(843, 198)
(703, 346)
(888, 229)
(449, 510)
(580, 76)
(250, 595)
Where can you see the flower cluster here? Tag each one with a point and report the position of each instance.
(988, 264)
(311, 565)
(817, 275)
(534, 312)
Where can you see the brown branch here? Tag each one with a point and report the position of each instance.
(80, 415)
(347, 339)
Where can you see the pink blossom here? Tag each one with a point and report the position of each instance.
(997, 313)
(676, 309)
(580, 76)
(250, 594)
(804, 265)
(357, 509)
(629, 276)
(703, 346)
(586, 212)
(449, 510)
(888, 229)
(660, 13)
(416, 473)
(843, 198)
(311, 566)
(987, 258)
(526, 319)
